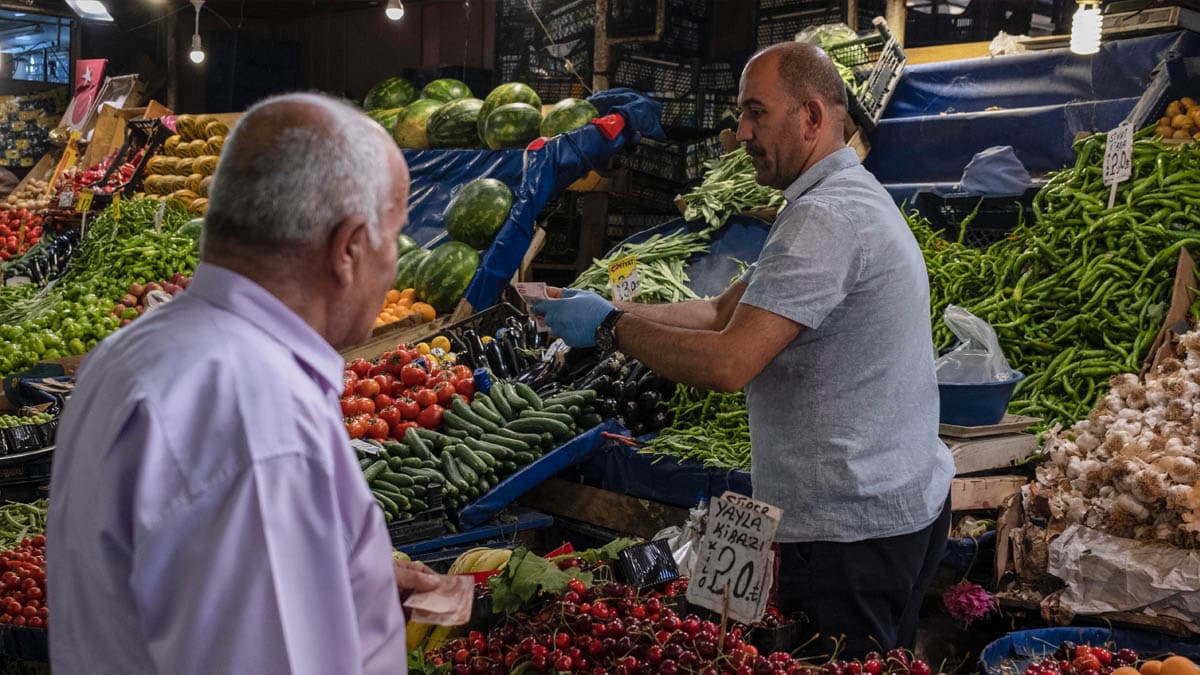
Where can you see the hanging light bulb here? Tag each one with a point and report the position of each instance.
(197, 53)
(395, 10)
(1086, 26)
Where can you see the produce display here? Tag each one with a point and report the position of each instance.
(1072, 659)
(389, 94)
(1077, 295)
(400, 305)
(442, 276)
(140, 296)
(23, 584)
(182, 173)
(20, 229)
(477, 210)
(728, 188)
(76, 179)
(19, 522)
(1180, 121)
(626, 389)
(72, 316)
(33, 196)
(709, 427)
(661, 260)
(403, 388)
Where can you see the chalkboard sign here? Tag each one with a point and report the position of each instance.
(634, 18)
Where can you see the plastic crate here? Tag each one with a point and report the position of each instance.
(714, 109)
(994, 217)
(33, 468)
(718, 77)
(782, 25)
(878, 61)
(646, 196)
(426, 525)
(22, 643)
(553, 89)
(656, 76)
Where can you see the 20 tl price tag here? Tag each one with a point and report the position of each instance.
(736, 564)
(623, 279)
(1118, 158)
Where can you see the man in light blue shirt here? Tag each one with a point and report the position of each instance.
(829, 333)
(207, 514)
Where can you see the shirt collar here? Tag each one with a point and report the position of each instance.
(829, 165)
(239, 295)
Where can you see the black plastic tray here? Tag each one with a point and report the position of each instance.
(23, 643)
(427, 525)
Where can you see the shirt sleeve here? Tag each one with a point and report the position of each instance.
(811, 261)
(258, 574)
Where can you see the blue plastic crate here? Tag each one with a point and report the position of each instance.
(976, 405)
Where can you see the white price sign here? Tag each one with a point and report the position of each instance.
(363, 446)
(736, 563)
(1118, 158)
(623, 279)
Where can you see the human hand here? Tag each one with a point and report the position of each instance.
(575, 317)
(413, 577)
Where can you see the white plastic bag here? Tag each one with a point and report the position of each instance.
(155, 299)
(978, 358)
(684, 541)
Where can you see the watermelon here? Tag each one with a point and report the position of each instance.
(404, 244)
(443, 276)
(512, 125)
(394, 92)
(446, 90)
(567, 115)
(411, 123)
(387, 117)
(455, 125)
(477, 211)
(406, 268)
(513, 92)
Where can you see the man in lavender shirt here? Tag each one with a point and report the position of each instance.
(207, 514)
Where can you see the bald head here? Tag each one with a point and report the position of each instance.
(804, 70)
(294, 167)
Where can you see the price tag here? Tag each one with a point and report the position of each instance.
(158, 216)
(736, 564)
(1118, 158)
(66, 199)
(623, 279)
(84, 203)
(363, 446)
(116, 206)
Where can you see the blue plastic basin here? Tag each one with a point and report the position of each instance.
(976, 405)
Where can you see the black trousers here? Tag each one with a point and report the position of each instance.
(866, 594)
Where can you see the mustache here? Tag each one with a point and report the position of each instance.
(755, 150)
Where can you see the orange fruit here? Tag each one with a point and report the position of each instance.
(1125, 670)
(1178, 665)
(409, 294)
(393, 296)
(427, 312)
(1151, 668)
(403, 313)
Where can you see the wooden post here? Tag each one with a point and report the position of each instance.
(600, 48)
(895, 19)
(852, 13)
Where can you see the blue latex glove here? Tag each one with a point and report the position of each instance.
(642, 114)
(575, 317)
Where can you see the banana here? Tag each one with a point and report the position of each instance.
(439, 637)
(415, 633)
(494, 559)
(465, 562)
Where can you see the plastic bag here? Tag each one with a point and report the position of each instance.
(978, 358)
(155, 299)
(684, 542)
(1004, 44)
(996, 172)
(833, 34)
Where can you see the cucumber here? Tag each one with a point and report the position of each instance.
(500, 452)
(418, 476)
(514, 399)
(397, 479)
(456, 435)
(456, 422)
(531, 440)
(385, 488)
(413, 462)
(372, 472)
(555, 428)
(574, 411)
(567, 399)
(470, 459)
(547, 440)
(395, 463)
(439, 441)
(526, 392)
(509, 466)
(395, 449)
(450, 469)
(480, 409)
(460, 408)
(501, 404)
(468, 474)
(590, 420)
(506, 442)
(541, 414)
(523, 458)
(556, 408)
(386, 502)
(429, 464)
(414, 443)
(417, 505)
(365, 462)
(419, 491)
(402, 503)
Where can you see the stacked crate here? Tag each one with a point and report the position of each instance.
(555, 61)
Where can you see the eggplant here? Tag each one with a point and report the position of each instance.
(602, 384)
(516, 332)
(512, 358)
(635, 371)
(637, 429)
(661, 419)
(606, 406)
(495, 357)
(648, 401)
(630, 410)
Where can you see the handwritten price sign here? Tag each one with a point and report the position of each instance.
(736, 564)
(623, 279)
(1118, 158)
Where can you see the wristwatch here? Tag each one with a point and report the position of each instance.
(606, 338)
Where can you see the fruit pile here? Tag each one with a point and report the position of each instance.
(182, 172)
(403, 388)
(1072, 659)
(23, 584)
(19, 230)
(32, 196)
(1181, 120)
(76, 179)
(400, 305)
(611, 629)
(11, 421)
(133, 304)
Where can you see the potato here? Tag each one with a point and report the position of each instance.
(1173, 109)
(1187, 102)
(1181, 133)
(1165, 132)
(1180, 121)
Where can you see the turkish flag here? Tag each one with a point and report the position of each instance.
(89, 75)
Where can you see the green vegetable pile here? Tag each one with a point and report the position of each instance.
(18, 521)
(10, 421)
(1079, 294)
(528, 574)
(70, 316)
(661, 261)
(709, 427)
(728, 187)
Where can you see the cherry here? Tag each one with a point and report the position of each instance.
(919, 667)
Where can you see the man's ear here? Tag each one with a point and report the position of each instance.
(815, 114)
(348, 245)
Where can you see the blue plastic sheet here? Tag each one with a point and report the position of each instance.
(534, 176)
(737, 242)
(620, 468)
(1011, 653)
(507, 492)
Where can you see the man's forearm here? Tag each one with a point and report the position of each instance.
(697, 314)
(685, 355)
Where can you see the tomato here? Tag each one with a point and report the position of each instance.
(377, 429)
(391, 415)
(426, 397)
(385, 382)
(461, 371)
(397, 360)
(376, 370)
(431, 417)
(464, 386)
(360, 366)
(366, 406)
(408, 408)
(12, 607)
(383, 400)
(19, 621)
(413, 375)
(349, 389)
(349, 407)
(356, 426)
(398, 432)
(349, 376)
(37, 622)
(28, 612)
(445, 392)
(367, 388)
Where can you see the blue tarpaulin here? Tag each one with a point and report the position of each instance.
(534, 176)
(1013, 652)
(939, 116)
(620, 468)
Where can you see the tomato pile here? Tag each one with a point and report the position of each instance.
(19, 230)
(610, 629)
(1071, 659)
(23, 584)
(403, 389)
